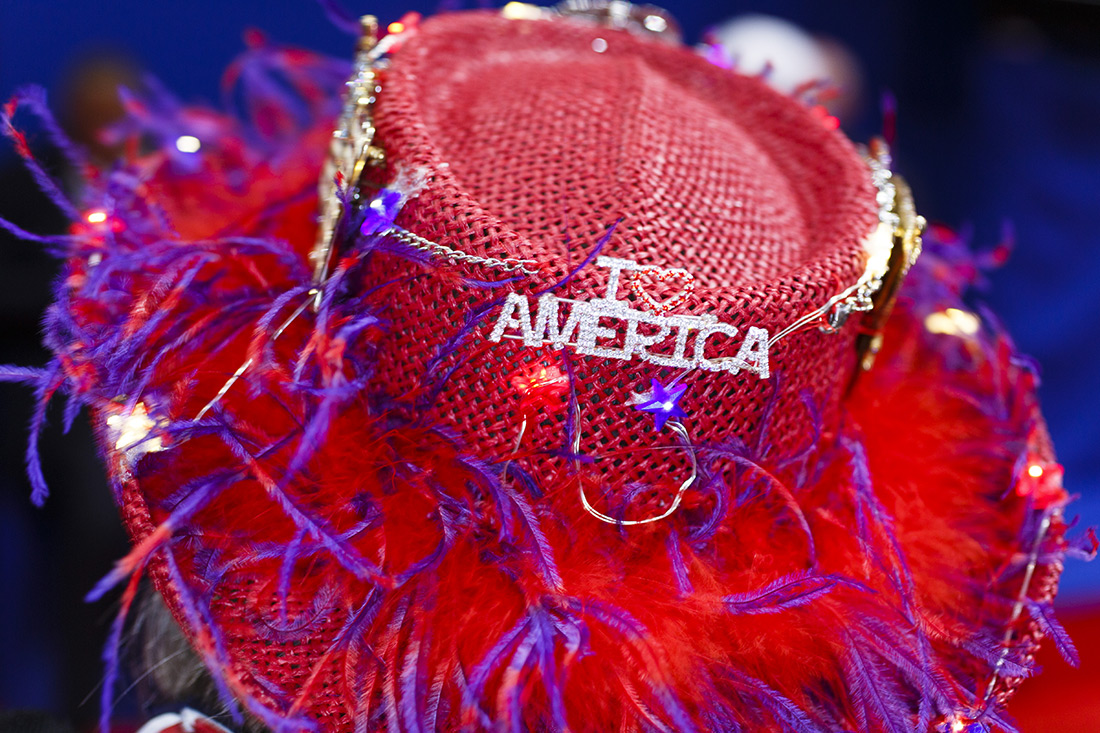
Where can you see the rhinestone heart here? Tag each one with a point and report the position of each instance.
(660, 275)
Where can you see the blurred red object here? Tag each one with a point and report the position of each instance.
(1063, 699)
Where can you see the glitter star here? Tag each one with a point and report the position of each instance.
(663, 402)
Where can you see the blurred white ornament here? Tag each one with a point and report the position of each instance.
(788, 57)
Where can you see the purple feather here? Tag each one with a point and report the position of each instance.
(32, 97)
(1043, 613)
(508, 696)
(286, 569)
(992, 652)
(731, 452)
(676, 559)
(410, 675)
(589, 259)
(902, 649)
(634, 637)
(56, 245)
(507, 501)
(342, 551)
(216, 658)
(435, 707)
(712, 483)
(783, 594)
(340, 17)
(530, 645)
(553, 675)
(793, 718)
(763, 425)
(1081, 546)
(306, 622)
(198, 495)
(880, 703)
(51, 380)
(111, 665)
(481, 672)
(32, 376)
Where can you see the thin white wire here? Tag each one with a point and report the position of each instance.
(682, 431)
(248, 362)
(1018, 608)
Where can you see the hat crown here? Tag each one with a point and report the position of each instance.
(536, 137)
(552, 141)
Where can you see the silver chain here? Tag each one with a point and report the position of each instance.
(416, 241)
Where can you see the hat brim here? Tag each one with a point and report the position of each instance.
(395, 580)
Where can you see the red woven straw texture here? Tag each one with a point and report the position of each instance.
(536, 144)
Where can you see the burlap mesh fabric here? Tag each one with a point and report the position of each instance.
(536, 144)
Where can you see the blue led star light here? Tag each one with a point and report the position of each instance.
(663, 402)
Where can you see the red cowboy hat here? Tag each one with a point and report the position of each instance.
(589, 406)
